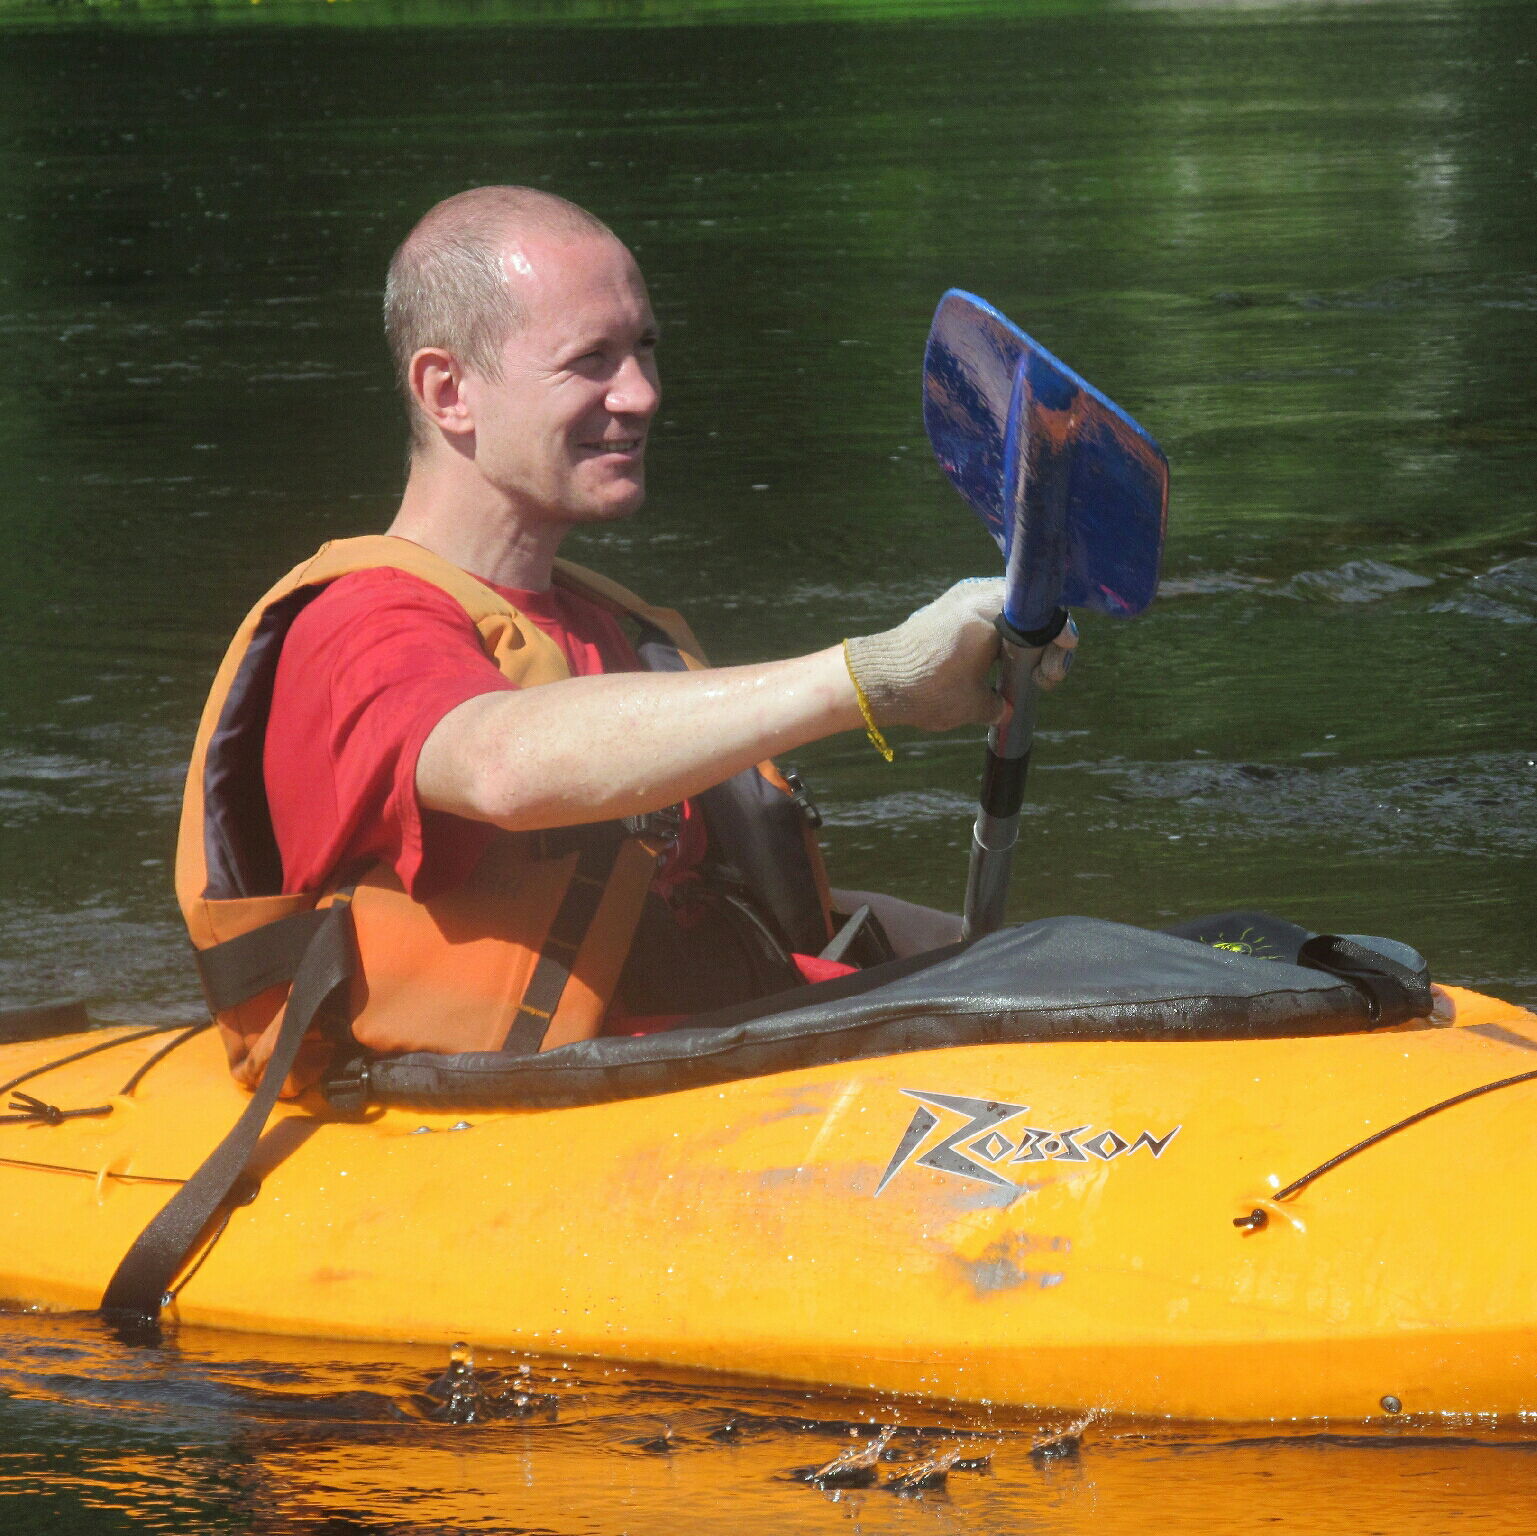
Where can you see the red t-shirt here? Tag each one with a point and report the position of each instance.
(367, 670)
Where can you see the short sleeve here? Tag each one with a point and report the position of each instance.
(368, 669)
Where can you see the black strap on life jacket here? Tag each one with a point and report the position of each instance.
(597, 846)
(138, 1289)
(242, 967)
(552, 970)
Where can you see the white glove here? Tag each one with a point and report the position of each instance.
(932, 669)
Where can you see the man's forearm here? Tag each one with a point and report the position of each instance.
(595, 748)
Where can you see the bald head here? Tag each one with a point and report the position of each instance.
(447, 286)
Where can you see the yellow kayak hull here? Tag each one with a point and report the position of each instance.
(1075, 1247)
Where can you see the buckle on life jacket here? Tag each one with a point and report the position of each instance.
(656, 831)
(345, 1084)
(802, 797)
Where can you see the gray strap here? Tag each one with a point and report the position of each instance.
(137, 1291)
(239, 968)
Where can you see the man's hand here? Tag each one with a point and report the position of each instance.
(1057, 659)
(932, 669)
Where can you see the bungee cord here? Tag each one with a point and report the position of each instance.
(1258, 1218)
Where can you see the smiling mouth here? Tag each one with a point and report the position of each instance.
(622, 445)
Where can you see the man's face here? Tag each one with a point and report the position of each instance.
(563, 431)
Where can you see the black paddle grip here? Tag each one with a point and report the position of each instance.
(1031, 639)
(1003, 785)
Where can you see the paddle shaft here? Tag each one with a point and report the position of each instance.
(1003, 779)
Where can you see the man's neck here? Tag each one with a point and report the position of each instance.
(475, 527)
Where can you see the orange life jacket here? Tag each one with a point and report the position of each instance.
(524, 956)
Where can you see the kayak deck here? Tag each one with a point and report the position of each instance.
(1049, 1223)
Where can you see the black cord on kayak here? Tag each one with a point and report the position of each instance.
(86, 1173)
(1257, 1218)
(211, 1244)
(90, 1050)
(145, 1067)
(39, 1112)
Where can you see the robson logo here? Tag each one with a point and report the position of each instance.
(989, 1138)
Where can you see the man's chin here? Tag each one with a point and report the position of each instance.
(610, 505)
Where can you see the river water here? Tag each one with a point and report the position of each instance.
(1294, 241)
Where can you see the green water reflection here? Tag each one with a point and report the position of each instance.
(1294, 241)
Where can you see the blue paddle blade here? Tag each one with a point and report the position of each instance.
(1074, 492)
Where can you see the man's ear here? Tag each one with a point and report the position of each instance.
(436, 378)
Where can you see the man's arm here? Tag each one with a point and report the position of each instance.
(595, 748)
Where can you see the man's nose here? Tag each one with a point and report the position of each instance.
(634, 390)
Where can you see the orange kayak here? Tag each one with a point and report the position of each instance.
(1060, 1223)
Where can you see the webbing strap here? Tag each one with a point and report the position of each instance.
(1392, 989)
(241, 967)
(659, 827)
(137, 1291)
(552, 970)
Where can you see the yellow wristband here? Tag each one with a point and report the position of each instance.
(872, 730)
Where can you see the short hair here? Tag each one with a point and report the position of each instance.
(446, 287)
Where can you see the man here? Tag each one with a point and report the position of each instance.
(403, 734)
